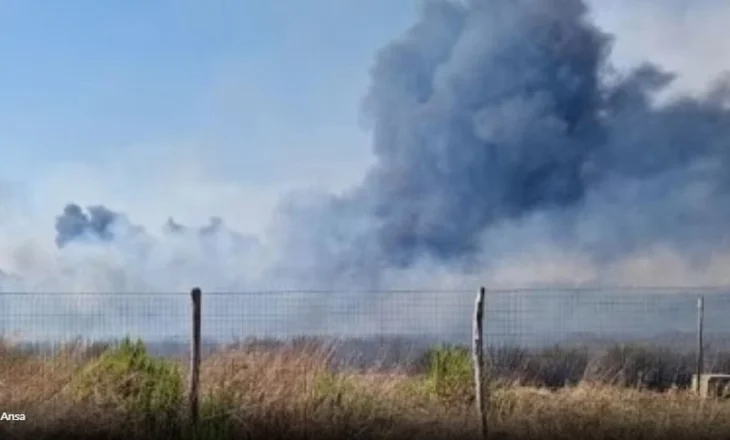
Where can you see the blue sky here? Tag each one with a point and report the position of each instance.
(84, 80)
(192, 108)
(263, 93)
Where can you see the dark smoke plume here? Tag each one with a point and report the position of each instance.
(75, 224)
(102, 225)
(487, 114)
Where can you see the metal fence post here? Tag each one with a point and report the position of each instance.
(195, 357)
(478, 360)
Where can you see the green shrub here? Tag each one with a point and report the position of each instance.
(127, 378)
(450, 374)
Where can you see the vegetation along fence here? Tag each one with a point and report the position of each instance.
(654, 338)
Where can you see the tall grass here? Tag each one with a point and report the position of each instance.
(291, 391)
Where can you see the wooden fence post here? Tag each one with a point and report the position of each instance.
(195, 357)
(699, 364)
(478, 360)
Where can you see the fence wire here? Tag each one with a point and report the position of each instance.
(545, 317)
(531, 319)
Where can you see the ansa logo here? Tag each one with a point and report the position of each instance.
(12, 417)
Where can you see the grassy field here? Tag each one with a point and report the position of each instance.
(290, 391)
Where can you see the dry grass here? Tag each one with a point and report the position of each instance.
(291, 393)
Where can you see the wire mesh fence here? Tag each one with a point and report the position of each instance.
(369, 321)
(648, 337)
(537, 318)
(229, 316)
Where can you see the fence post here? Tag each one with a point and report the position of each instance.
(700, 346)
(195, 357)
(478, 360)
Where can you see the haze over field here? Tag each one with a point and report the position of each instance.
(485, 141)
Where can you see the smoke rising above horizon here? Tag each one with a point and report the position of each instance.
(502, 137)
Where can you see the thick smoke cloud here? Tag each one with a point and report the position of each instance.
(494, 116)
(493, 112)
(489, 116)
(482, 114)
